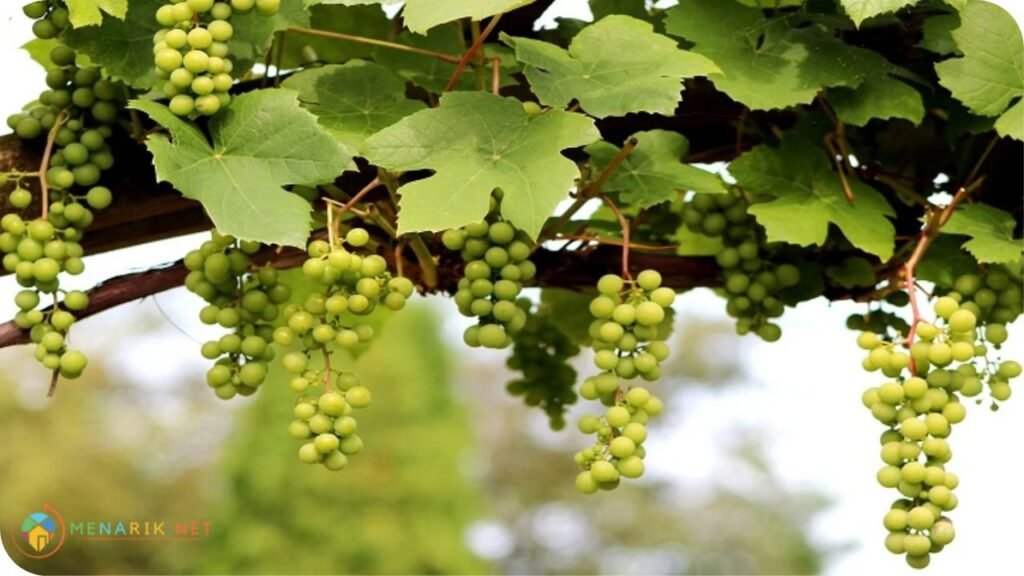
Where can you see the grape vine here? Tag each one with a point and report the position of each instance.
(346, 164)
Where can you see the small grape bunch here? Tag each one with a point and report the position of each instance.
(541, 352)
(751, 282)
(51, 17)
(191, 51)
(994, 297)
(498, 262)
(627, 346)
(325, 422)
(245, 302)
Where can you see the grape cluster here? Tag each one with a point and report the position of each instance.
(497, 260)
(541, 351)
(245, 302)
(626, 342)
(920, 410)
(191, 51)
(349, 287)
(751, 283)
(325, 422)
(78, 109)
(995, 298)
(51, 17)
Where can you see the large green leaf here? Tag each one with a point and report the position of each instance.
(861, 10)
(653, 172)
(613, 67)
(90, 12)
(422, 15)
(768, 64)
(990, 76)
(264, 141)
(123, 48)
(476, 142)
(354, 100)
(809, 197)
(991, 232)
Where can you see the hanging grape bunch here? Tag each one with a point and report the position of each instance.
(628, 318)
(51, 17)
(751, 280)
(191, 52)
(542, 352)
(920, 410)
(349, 288)
(497, 258)
(243, 301)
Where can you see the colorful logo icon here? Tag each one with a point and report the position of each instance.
(42, 533)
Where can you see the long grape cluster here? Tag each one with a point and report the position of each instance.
(541, 351)
(76, 111)
(625, 334)
(243, 301)
(51, 17)
(191, 52)
(751, 281)
(349, 287)
(497, 260)
(920, 410)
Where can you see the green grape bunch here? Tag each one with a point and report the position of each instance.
(246, 302)
(497, 258)
(541, 352)
(920, 404)
(348, 289)
(628, 320)
(751, 282)
(191, 52)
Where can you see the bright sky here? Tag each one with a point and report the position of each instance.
(804, 400)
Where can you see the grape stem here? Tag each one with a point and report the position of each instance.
(496, 75)
(327, 369)
(624, 223)
(478, 42)
(589, 191)
(53, 383)
(44, 166)
(936, 220)
(374, 42)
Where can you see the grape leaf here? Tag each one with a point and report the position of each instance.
(254, 32)
(123, 47)
(696, 244)
(367, 21)
(476, 142)
(433, 74)
(990, 76)
(1011, 123)
(653, 172)
(354, 100)
(422, 15)
(991, 232)
(809, 197)
(613, 67)
(879, 96)
(570, 311)
(264, 141)
(88, 12)
(767, 64)
(861, 10)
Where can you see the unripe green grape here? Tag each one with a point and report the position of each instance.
(610, 285)
(20, 198)
(243, 6)
(649, 280)
(207, 105)
(220, 30)
(44, 29)
(358, 396)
